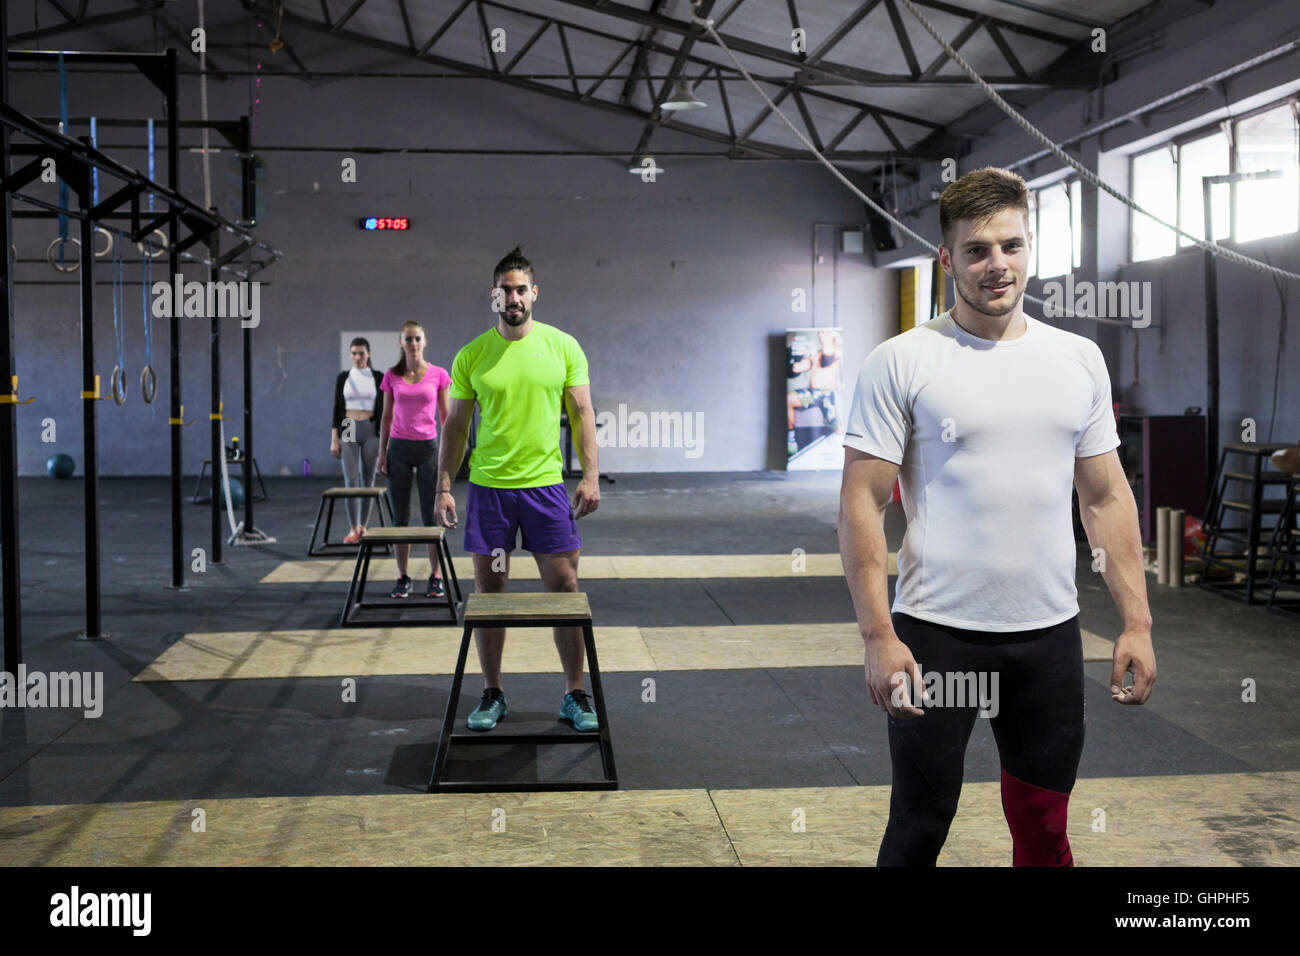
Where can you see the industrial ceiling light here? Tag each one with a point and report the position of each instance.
(644, 164)
(682, 99)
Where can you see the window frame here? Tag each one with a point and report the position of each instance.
(1177, 143)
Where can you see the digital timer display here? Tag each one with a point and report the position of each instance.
(385, 222)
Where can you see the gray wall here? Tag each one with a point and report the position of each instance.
(675, 288)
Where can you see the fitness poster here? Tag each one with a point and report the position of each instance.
(814, 360)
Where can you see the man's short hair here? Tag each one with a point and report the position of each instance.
(981, 195)
(514, 259)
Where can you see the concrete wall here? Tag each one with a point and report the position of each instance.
(675, 288)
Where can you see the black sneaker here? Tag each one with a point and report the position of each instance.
(402, 588)
(435, 589)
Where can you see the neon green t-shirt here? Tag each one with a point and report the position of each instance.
(519, 387)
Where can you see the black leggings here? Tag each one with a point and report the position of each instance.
(1037, 716)
(406, 459)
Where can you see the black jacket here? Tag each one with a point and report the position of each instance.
(340, 407)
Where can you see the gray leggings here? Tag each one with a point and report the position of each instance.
(358, 461)
(408, 459)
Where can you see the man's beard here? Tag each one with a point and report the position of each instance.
(997, 311)
(517, 319)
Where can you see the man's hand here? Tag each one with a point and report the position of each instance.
(1133, 654)
(887, 659)
(587, 498)
(446, 510)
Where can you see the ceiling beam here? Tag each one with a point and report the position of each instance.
(967, 32)
(737, 149)
(63, 13)
(789, 58)
(675, 71)
(904, 41)
(639, 64)
(86, 23)
(1006, 50)
(406, 23)
(356, 5)
(546, 25)
(446, 25)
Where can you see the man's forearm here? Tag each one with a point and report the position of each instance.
(864, 552)
(450, 453)
(586, 440)
(1112, 526)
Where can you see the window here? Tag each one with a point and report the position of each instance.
(1055, 245)
(1033, 227)
(1167, 182)
(1155, 189)
(1267, 207)
(1076, 222)
(1207, 156)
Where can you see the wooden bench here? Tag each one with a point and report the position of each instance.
(332, 496)
(563, 609)
(379, 537)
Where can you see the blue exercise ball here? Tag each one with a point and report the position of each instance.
(60, 466)
(236, 493)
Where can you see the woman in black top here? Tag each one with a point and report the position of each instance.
(354, 430)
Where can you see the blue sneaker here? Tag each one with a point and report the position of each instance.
(490, 709)
(577, 710)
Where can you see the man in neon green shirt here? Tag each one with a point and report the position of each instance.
(519, 372)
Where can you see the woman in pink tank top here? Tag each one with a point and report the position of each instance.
(415, 405)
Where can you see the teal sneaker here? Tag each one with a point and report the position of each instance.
(490, 709)
(577, 710)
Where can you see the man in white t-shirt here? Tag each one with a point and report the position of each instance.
(987, 418)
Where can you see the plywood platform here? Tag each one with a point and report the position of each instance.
(373, 651)
(596, 567)
(1198, 820)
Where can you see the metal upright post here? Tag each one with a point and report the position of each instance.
(1212, 314)
(247, 215)
(1211, 336)
(174, 323)
(218, 451)
(12, 591)
(89, 400)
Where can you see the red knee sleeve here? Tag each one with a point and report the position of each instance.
(1037, 820)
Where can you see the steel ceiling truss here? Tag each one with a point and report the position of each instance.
(740, 144)
(811, 70)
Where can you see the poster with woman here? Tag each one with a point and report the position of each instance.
(814, 381)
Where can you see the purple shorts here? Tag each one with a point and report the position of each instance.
(495, 516)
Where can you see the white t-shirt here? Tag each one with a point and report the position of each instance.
(986, 434)
(359, 390)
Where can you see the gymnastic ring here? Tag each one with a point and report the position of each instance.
(108, 248)
(148, 384)
(154, 255)
(117, 382)
(49, 254)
